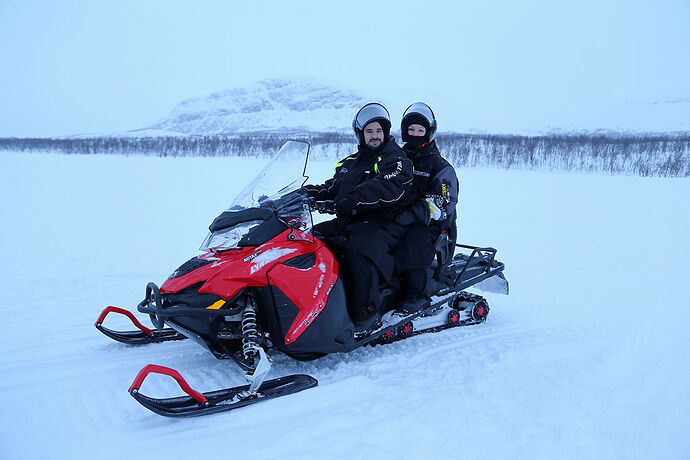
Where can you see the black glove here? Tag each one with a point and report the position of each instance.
(406, 218)
(311, 190)
(345, 207)
(417, 213)
(325, 207)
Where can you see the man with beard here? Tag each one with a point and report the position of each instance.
(367, 190)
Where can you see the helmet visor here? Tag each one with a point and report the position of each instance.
(368, 113)
(422, 109)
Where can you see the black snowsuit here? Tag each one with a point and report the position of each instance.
(371, 187)
(434, 178)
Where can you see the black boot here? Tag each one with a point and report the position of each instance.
(413, 303)
(367, 318)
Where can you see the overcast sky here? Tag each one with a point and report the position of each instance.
(73, 67)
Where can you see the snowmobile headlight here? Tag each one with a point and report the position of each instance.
(228, 238)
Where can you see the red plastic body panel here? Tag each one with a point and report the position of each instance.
(308, 289)
(234, 270)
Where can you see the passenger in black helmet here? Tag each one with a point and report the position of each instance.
(368, 189)
(436, 186)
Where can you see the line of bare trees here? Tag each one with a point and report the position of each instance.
(664, 155)
(643, 155)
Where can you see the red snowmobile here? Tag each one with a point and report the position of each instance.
(265, 283)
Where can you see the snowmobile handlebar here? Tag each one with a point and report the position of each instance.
(325, 207)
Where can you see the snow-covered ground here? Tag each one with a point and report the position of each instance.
(588, 357)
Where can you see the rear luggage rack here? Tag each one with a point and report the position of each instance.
(478, 266)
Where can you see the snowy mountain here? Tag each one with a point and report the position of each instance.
(311, 104)
(272, 105)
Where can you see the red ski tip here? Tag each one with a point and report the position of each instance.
(154, 368)
(127, 313)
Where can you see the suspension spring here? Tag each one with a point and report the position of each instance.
(250, 333)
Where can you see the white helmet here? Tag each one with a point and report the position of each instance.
(419, 113)
(371, 112)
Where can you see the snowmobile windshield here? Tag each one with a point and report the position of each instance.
(285, 173)
(278, 187)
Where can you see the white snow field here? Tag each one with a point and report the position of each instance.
(588, 357)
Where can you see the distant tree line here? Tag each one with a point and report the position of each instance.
(174, 146)
(663, 155)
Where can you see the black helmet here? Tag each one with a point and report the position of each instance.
(371, 112)
(421, 114)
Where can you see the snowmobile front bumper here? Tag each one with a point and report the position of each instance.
(141, 336)
(153, 305)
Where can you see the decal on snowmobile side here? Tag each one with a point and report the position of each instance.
(270, 255)
(247, 259)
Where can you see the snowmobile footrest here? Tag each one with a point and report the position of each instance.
(143, 336)
(196, 403)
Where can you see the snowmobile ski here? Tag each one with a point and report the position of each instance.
(143, 336)
(196, 403)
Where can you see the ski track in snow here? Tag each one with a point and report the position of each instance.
(586, 358)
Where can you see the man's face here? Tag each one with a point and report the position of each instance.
(373, 134)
